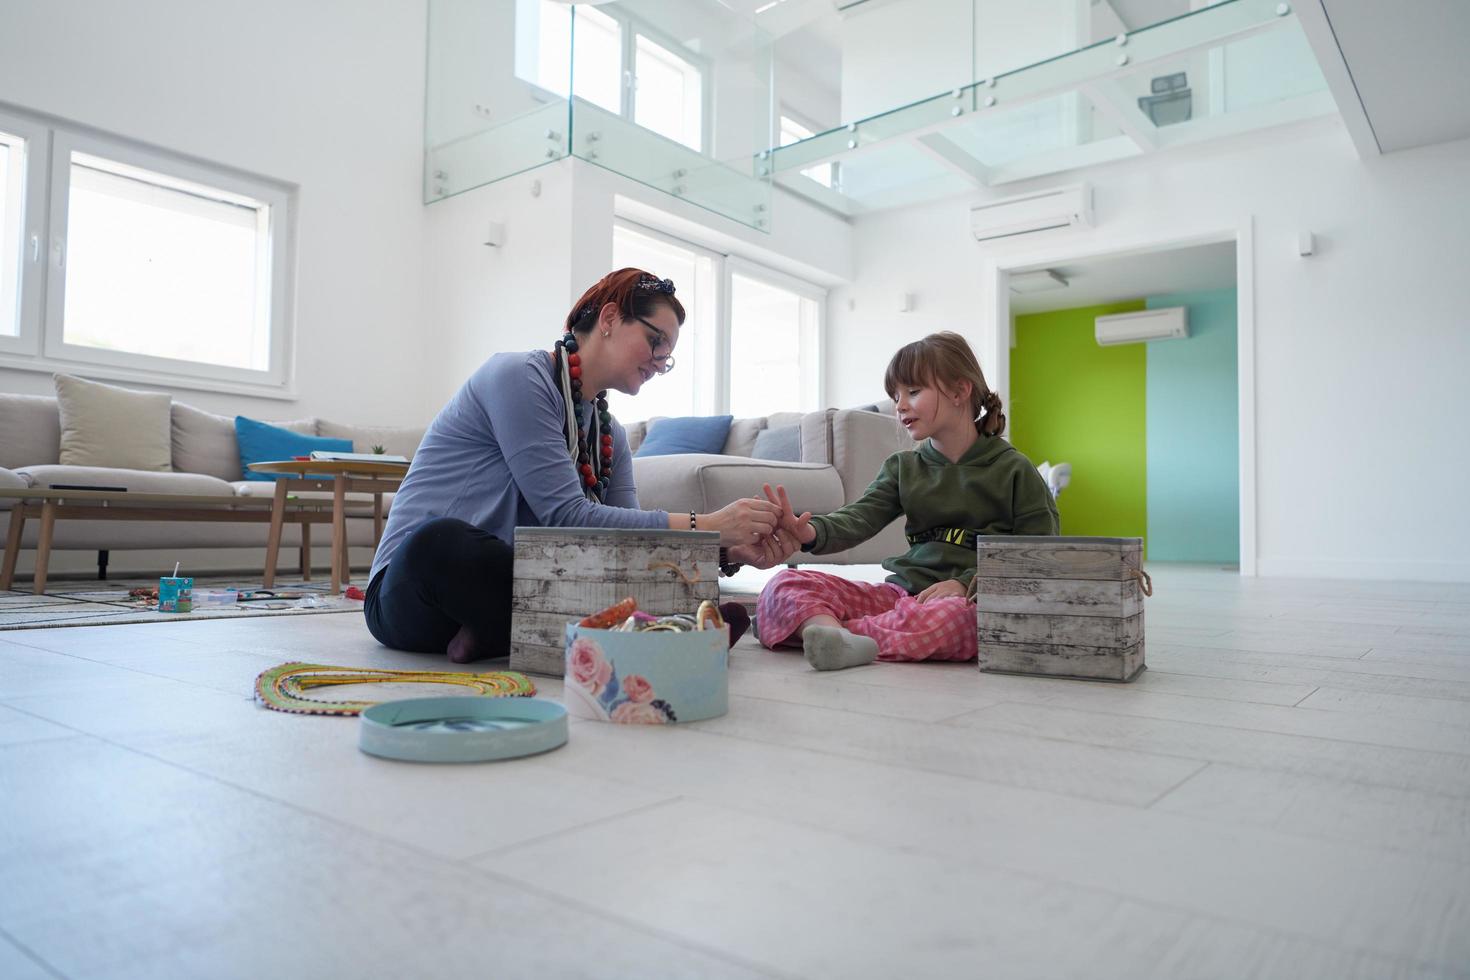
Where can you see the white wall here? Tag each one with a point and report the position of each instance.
(327, 96)
(514, 296)
(1360, 350)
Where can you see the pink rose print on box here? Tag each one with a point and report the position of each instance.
(637, 688)
(594, 690)
(588, 668)
(630, 713)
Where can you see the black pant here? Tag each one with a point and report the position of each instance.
(445, 575)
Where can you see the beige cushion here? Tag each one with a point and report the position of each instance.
(10, 480)
(204, 443)
(396, 441)
(705, 482)
(136, 481)
(103, 425)
(30, 430)
(635, 431)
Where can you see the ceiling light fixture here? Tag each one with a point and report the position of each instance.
(1038, 281)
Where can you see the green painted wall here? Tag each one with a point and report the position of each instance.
(1073, 401)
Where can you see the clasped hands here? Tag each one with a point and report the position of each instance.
(777, 532)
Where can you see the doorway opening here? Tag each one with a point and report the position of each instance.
(1141, 431)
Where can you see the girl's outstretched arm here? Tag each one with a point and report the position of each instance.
(860, 520)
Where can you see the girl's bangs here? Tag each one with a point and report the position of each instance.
(915, 365)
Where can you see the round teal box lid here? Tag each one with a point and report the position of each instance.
(462, 729)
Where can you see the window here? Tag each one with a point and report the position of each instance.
(12, 229)
(792, 131)
(164, 268)
(751, 344)
(773, 344)
(597, 75)
(620, 64)
(151, 267)
(668, 95)
(689, 389)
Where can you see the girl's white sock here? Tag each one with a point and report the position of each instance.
(834, 648)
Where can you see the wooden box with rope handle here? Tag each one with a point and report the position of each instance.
(1060, 606)
(564, 573)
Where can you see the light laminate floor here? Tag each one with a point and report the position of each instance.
(1284, 793)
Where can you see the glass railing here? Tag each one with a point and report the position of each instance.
(879, 103)
(1235, 66)
(674, 95)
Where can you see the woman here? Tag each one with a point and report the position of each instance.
(528, 441)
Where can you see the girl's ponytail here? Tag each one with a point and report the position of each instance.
(993, 421)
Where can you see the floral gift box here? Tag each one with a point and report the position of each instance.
(646, 678)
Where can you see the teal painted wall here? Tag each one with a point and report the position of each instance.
(1193, 434)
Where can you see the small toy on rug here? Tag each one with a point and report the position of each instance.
(284, 688)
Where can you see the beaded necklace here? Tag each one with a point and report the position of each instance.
(594, 469)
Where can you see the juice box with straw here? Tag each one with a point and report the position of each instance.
(175, 593)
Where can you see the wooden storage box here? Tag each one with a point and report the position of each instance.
(1060, 607)
(565, 573)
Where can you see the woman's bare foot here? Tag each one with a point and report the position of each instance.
(463, 649)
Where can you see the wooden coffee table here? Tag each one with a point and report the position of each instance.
(341, 478)
(51, 506)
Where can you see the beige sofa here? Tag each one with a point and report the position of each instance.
(841, 452)
(205, 458)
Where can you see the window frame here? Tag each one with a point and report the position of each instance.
(630, 28)
(727, 264)
(33, 244)
(633, 28)
(811, 348)
(41, 345)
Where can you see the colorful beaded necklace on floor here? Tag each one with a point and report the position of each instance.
(593, 469)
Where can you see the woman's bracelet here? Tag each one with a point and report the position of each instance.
(693, 524)
(727, 567)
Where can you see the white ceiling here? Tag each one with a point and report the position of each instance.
(1408, 64)
(1183, 270)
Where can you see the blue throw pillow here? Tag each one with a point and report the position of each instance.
(261, 442)
(783, 443)
(691, 434)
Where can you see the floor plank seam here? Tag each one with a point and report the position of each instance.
(1305, 696)
(1261, 767)
(573, 828)
(1269, 731)
(912, 767)
(30, 953)
(1155, 801)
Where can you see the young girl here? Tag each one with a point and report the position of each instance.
(963, 480)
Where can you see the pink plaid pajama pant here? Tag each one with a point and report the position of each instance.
(904, 627)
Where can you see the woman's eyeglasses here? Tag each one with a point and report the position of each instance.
(659, 341)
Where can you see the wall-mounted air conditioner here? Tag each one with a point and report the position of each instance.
(1064, 207)
(1136, 328)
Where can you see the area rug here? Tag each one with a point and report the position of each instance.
(108, 603)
